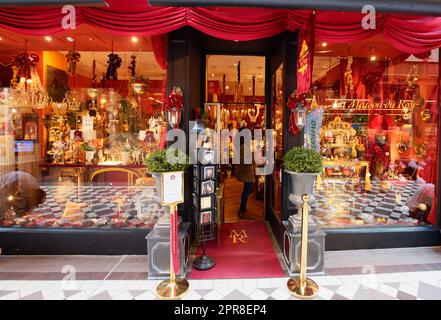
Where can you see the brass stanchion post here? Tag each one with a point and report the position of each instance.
(172, 288)
(300, 286)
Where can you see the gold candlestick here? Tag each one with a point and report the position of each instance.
(300, 286)
(173, 288)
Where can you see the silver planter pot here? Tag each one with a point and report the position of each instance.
(164, 220)
(158, 178)
(301, 183)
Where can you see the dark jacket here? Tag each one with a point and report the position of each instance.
(245, 172)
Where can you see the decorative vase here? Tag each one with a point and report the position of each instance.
(89, 156)
(125, 157)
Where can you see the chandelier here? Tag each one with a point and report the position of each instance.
(28, 93)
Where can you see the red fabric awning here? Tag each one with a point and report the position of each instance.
(409, 34)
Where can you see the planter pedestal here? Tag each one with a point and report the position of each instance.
(292, 245)
(158, 250)
(295, 223)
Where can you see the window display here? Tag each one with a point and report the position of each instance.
(378, 138)
(79, 161)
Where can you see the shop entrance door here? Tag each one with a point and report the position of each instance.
(235, 101)
(187, 68)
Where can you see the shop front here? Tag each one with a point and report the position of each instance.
(83, 108)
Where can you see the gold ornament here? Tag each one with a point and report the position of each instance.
(421, 150)
(426, 115)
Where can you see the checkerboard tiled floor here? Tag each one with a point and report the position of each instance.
(101, 205)
(387, 274)
(338, 205)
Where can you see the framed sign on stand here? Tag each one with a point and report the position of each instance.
(172, 193)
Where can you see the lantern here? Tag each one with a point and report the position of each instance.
(174, 117)
(300, 116)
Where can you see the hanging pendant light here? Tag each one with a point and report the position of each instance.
(29, 92)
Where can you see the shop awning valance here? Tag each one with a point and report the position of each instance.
(408, 33)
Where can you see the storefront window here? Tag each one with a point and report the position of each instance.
(379, 136)
(74, 139)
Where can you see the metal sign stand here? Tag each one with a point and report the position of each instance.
(301, 286)
(172, 288)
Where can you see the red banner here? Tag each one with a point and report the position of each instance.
(305, 55)
(174, 248)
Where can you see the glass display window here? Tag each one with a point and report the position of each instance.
(379, 135)
(74, 140)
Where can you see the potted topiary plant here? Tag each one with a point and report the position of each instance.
(89, 150)
(303, 165)
(157, 162)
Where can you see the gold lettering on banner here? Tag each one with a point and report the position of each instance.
(241, 236)
(406, 105)
(303, 58)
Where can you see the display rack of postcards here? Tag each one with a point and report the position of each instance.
(204, 204)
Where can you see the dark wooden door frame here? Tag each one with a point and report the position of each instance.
(186, 45)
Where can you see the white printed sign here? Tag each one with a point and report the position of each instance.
(172, 188)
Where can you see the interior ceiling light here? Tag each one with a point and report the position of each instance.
(1, 38)
(135, 39)
(212, 74)
(48, 38)
(324, 44)
(373, 56)
(70, 39)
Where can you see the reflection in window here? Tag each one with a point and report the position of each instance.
(73, 146)
(379, 136)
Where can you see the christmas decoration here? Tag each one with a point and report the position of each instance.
(25, 62)
(72, 58)
(113, 64)
(132, 66)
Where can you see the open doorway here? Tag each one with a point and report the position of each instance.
(236, 86)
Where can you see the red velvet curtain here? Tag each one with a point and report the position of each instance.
(159, 44)
(407, 33)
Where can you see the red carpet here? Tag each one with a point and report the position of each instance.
(246, 251)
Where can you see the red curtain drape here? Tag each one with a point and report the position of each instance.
(159, 44)
(407, 33)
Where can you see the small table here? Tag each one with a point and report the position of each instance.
(358, 165)
(90, 171)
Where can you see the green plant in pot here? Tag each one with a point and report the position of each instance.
(89, 150)
(167, 160)
(303, 165)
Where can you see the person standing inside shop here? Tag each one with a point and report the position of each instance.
(245, 173)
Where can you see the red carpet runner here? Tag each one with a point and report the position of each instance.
(246, 251)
